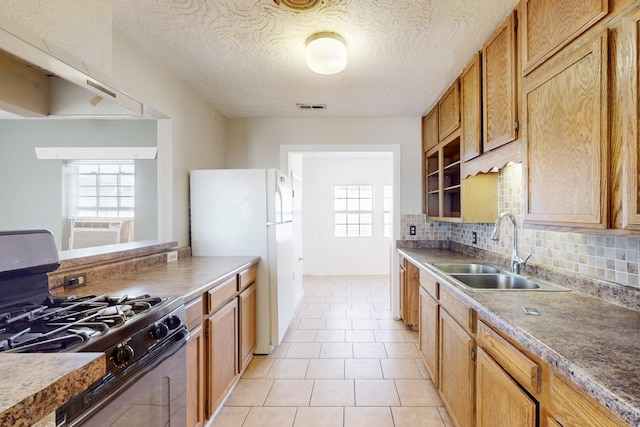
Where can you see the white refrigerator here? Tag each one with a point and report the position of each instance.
(236, 212)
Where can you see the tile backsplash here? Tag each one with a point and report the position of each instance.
(615, 259)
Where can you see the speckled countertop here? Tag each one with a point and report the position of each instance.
(188, 277)
(594, 343)
(36, 384)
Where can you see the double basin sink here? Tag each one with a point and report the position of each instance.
(479, 276)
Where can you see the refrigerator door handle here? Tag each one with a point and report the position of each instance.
(279, 203)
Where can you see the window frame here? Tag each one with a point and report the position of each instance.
(103, 194)
(353, 212)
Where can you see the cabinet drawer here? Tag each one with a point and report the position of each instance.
(524, 370)
(222, 293)
(571, 409)
(457, 310)
(429, 285)
(247, 277)
(194, 311)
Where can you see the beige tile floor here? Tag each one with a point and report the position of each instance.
(344, 362)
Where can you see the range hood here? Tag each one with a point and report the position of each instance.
(35, 84)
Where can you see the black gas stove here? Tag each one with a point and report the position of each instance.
(124, 328)
(33, 321)
(136, 333)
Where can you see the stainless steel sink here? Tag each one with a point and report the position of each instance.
(495, 281)
(458, 268)
(481, 276)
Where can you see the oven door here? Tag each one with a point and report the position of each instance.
(153, 395)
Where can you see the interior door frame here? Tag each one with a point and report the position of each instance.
(286, 153)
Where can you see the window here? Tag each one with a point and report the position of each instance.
(353, 210)
(387, 197)
(101, 189)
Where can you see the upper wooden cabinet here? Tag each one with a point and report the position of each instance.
(625, 133)
(430, 136)
(449, 111)
(499, 86)
(549, 25)
(566, 156)
(471, 110)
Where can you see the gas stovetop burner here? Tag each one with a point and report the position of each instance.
(62, 324)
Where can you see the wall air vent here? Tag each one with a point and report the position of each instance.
(311, 106)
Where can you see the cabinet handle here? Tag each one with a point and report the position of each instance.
(473, 353)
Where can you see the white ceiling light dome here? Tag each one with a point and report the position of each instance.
(326, 53)
(299, 5)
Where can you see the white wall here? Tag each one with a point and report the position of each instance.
(325, 254)
(198, 130)
(254, 143)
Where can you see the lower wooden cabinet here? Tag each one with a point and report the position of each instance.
(500, 402)
(222, 327)
(487, 379)
(409, 295)
(195, 378)
(572, 408)
(222, 331)
(456, 370)
(429, 333)
(247, 326)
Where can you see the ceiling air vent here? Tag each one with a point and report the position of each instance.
(311, 106)
(299, 5)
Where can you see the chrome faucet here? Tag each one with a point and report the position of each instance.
(516, 261)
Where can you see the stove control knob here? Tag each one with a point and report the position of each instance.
(159, 331)
(123, 355)
(172, 322)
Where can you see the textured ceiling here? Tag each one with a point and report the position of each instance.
(247, 57)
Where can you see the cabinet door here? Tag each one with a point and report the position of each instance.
(430, 130)
(449, 111)
(402, 285)
(471, 110)
(432, 184)
(500, 402)
(223, 353)
(456, 370)
(546, 28)
(626, 161)
(195, 378)
(566, 155)
(429, 333)
(247, 326)
(499, 86)
(411, 296)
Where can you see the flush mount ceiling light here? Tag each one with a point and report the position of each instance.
(299, 5)
(326, 53)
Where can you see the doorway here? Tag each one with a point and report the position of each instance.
(328, 166)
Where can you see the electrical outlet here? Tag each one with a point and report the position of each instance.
(75, 280)
(172, 256)
(474, 237)
(412, 230)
